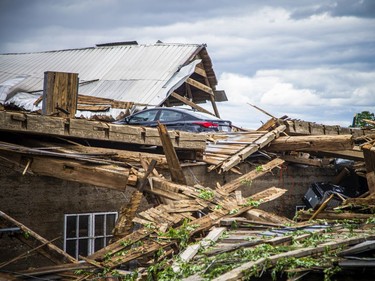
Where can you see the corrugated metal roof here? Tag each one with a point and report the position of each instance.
(137, 73)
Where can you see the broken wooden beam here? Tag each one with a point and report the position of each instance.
(244, 269)
(59, 255)
(250, 176)
(332, 215)
(190, 103)
(60, 94)
(311, 143)
(369, 155)
(251, 148)
(175, 169)
(97, 130)
(304, 161)
(192, 250)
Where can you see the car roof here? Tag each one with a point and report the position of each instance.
(197, 114)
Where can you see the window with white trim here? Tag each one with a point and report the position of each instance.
(87, 233)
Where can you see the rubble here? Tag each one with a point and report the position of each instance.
(198, 232)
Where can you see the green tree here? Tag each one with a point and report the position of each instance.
(358, 120)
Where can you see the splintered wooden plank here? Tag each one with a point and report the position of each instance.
(369, 154)
(200, 86)
(124, 222)
(190, 103)
(192, 250)
(56, 251)
(175, 169)
(250, 149)
(108, 176)
(147, 247)
(119, 244)
(301, 160)
(60, 93)
(312, 143)
(241, 271)
(88, 129)
(263, 169)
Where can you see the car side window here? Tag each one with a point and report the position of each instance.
(166, 115)
(143, 117)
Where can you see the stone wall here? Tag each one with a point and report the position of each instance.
(41, 202)
(295, 178)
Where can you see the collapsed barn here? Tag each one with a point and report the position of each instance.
(84, 198)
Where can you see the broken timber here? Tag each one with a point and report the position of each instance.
(263, 169)
(234, 148)
(299, 127)
(86, 129)
(369, 155)
(311, 143)
(171, 156)
(241, 271)
(52, 252)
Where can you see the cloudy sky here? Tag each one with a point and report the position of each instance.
(309, 59)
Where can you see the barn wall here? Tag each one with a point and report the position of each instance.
(296, 179)
(41, 202)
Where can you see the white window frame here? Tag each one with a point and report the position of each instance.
(91, 231)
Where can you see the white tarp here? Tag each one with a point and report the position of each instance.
(8, 87)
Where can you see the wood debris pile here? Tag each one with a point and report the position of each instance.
(197, 232)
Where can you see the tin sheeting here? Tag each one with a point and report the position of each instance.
(144, 74)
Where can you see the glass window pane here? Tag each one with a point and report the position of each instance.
(71, 226)
(99, 243)
(166, 115)
(111, 221)
(143, 116)
(83, 226)
(71, 247)
(99, 225)
(83, 247)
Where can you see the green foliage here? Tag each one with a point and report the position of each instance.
(206, 194)
(233, 211)
(358, 119)
(210, 267)
(181, 234)
(218, 207)
(259, 168)
(330, 272)
(253, 203)
(26, 234)
(292, 263)
(247, 182)
(126, 243)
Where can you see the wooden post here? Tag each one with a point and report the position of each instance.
(60, 94)
(177, 174)
(369, 154)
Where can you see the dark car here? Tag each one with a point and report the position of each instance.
(177, 119)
